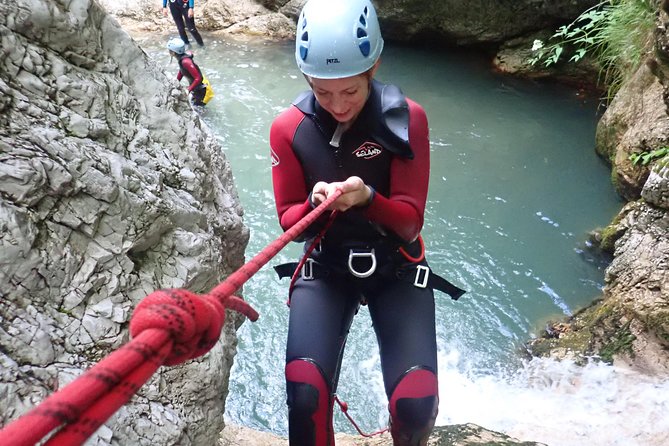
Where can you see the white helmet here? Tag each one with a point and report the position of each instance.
(337, 38)
(177, 45)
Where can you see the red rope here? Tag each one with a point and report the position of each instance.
(308, 252)
(168, 327)
(344, 408)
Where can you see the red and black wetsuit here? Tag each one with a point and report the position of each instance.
(193, 74)
(388, 147)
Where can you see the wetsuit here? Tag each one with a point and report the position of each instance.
(388, 147)
(179, 10)
(190, 70)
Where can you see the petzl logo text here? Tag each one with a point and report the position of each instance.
(333, 60)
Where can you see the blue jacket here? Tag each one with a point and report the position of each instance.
(191, 3)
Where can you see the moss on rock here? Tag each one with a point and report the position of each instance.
(621, 342)
(580, 337)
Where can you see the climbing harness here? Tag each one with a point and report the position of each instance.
(362, 263)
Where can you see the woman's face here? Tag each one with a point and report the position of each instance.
(343, 98)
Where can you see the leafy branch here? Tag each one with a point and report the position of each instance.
(583, 34)
(616, 33)
(644, 158)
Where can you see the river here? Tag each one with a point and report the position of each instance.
(515, 187)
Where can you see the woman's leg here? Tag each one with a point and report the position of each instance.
(176, 11)
(198, 95)
(190, 24)
(404, 321)
(321, 312)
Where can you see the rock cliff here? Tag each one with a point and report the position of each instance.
(110, 188)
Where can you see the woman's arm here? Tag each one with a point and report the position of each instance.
(290, 190)
(403, 210)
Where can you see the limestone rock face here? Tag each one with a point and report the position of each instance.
(475, 21)
(636, 121)
(638, 278)
(638, 289)
(110, 188)
(656, 188)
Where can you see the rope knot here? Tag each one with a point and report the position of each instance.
(193, 322)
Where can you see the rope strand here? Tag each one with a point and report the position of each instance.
(168, 327)
(309, 250)
(344, 408)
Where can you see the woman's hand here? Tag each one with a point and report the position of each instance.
(354, 193)
(190, 13)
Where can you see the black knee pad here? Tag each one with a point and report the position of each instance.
(413, 407)
(416, 413)
(310, 403)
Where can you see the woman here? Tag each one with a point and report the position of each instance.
(197, 84)
(353, 133)
(184, 17)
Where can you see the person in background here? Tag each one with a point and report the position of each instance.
(197, 88)
(184, 17)
(352, 133)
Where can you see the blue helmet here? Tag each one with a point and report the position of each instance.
(177, 45)
(337, 38)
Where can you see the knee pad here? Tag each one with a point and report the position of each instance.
(413, 407)
(310, 402)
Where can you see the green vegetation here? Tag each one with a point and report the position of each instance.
(620, 342)
(615, 33)
(646, 157)
(610, 235)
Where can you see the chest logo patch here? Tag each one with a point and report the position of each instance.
(368, 150)
(275, 158)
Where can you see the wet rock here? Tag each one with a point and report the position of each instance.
(456, 435)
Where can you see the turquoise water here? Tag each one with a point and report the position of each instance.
(515, 187)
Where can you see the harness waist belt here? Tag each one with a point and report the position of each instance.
(437, 282)
(420, 276)
(311, 270)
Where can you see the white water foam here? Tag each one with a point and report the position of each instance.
(558, 403)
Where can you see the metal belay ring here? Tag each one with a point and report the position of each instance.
(357, 253)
